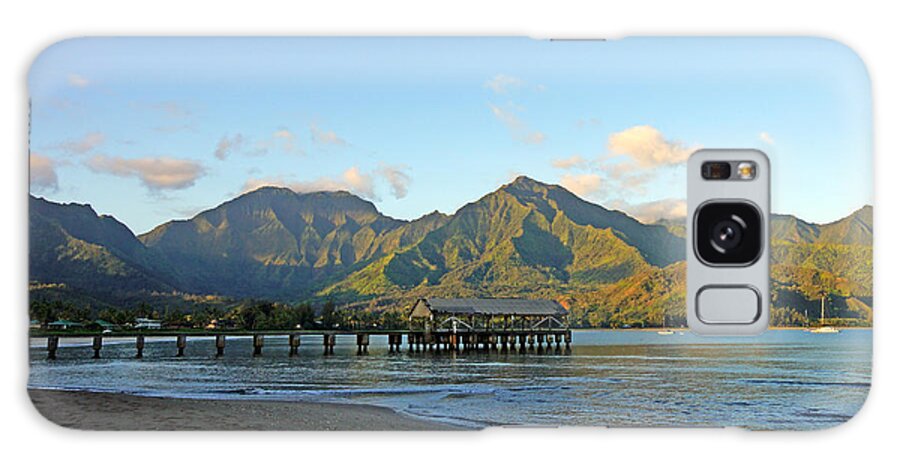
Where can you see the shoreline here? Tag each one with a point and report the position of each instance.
(84, 410)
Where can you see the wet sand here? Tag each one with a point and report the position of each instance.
(115, 411)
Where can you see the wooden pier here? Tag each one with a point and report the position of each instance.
(503, 341)
(458, 325)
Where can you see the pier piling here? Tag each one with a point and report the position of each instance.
(362, 343)
(294, 343)
(258, 341)
(180, 343)
(52, 346)
(97, 345)
(220, 345)
(139, 346)
(328, 343)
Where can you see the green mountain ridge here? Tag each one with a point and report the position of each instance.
(275, 243)
(71, 244)
(855, 229)
(526, 239)
(524, 234)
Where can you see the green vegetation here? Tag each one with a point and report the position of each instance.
(274, 258)
(248, 315)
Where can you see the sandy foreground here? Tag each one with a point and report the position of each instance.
(114, 411)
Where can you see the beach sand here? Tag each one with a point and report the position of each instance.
(114, 411)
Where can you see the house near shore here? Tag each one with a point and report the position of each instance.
(106, 325)
(487, 313)
(150, 324)
(64, 324)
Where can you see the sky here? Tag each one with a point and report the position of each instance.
(154, 129)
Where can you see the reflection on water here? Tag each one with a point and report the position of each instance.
(782, 379)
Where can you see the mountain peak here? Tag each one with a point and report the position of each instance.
(42, 202)
(432, 215)
(523, 181)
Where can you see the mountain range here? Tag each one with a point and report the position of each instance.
(525, 239)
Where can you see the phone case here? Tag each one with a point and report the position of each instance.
(435, 233)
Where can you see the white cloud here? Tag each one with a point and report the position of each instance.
(255, 183)
(352, 180)
(42, 171)
(501, 83)
(156, 173)
(583, 185)
(228, 145)
(572, 162)
(765, 137)
(76, 80)
(646, 146)
(519, 130)
(359, 182)
(652, 211)
(85, 144)
(397, 178)
(325, 137)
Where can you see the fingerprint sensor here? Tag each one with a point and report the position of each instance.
(726, 304)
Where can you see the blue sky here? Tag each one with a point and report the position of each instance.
(149, 130)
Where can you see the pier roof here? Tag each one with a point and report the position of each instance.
(488, 306)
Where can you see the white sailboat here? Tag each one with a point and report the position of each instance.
(664, 330)
(824, 329)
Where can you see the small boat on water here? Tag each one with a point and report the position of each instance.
(665, 330)
(825, 330)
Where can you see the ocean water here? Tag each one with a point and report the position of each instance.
(783, 379)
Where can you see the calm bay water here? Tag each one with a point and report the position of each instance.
(783, 379)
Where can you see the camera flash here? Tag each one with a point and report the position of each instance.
(746, 170)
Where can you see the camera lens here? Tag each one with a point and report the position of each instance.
(728, 233)
(716, 170)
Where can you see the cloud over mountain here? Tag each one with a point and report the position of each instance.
(352, 180)
(156, 173)
(42, 172)
(583, 185)
(397, 178)
(647, 147)
(652, 211)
